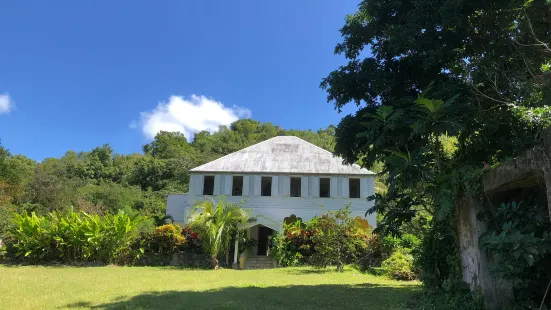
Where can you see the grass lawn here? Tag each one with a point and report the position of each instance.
(166, 288)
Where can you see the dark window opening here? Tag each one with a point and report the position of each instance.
(208, 185)
(237, 186)
(266, 186)
(295, 187)
(325, 187)
(354, 188)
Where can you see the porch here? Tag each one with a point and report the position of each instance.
(259, 228)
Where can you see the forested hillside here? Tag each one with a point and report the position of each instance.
(101, 180)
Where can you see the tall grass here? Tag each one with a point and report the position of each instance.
(72, 237)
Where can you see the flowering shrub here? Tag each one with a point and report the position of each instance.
(295, 245)
(333, 238)
(166, 239)
(193, 243)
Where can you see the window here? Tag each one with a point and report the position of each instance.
(208, 185)
(295, 187)
(237, 186)
(266, 186)
(325, 187)
(354, 188)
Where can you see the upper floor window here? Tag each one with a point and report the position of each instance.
(237, 186)
(296, 187)
(354, 188)
(325, 187)
(208, 185)
(266, 186)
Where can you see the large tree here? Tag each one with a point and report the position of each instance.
(423, 71)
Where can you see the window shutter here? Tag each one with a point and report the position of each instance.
(304, 187)
(228, 185)
(345, 188)
(246, 185)
(256, 185)
(275, 186)
(364, 192)
(217, 184)
(314, 186)
(334, 187)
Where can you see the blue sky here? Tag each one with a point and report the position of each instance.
(77, 74)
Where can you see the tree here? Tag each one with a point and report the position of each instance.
(216, 223)
(424, 72)
(337, 239)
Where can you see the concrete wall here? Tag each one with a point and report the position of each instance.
(280, 204)
(474, 261)
(531, 169)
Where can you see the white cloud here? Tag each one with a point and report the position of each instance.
(6, 103)
(190, 115)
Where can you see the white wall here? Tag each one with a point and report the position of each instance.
(280, 205)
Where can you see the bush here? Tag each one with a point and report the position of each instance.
(338, 239)
(399, 266)
(193, 243)
(333, 238)
(72, 237)
(166, 240)
(407, 241)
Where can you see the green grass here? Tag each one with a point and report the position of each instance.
(166, 288)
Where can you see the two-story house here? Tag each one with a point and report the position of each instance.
(278, 178)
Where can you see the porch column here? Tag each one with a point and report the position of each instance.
(236, 251)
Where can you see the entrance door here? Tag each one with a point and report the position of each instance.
(263, 233)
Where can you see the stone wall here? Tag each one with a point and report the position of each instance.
(191, 260)
(194, 260)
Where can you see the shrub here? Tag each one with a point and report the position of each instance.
(338, 239)
(407, 241)
(72, 237)
(399, 266)
(193, 243)
(286, 252)
(166, 240)
(454, 294)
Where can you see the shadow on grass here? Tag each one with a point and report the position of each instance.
(304, 271)
(363, 296)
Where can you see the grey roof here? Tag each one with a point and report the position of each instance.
(282, 154)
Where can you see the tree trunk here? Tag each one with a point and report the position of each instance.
(214, 262)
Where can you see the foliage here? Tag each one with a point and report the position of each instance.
(519, 242)
(454, 294)
(399, 265)
(480, 100)
(99, 180)
(332, 238)
(72, 237)
(193, 243)
(337, 238)
(165, 240)
(295, 245)
(216, 224)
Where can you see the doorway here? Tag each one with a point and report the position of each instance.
(263, 234)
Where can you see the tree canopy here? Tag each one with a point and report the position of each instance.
(443, 88)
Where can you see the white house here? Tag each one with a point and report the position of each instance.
(275, 179)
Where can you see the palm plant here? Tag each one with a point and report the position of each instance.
(216, 223)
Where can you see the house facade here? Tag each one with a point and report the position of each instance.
(276, 179)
